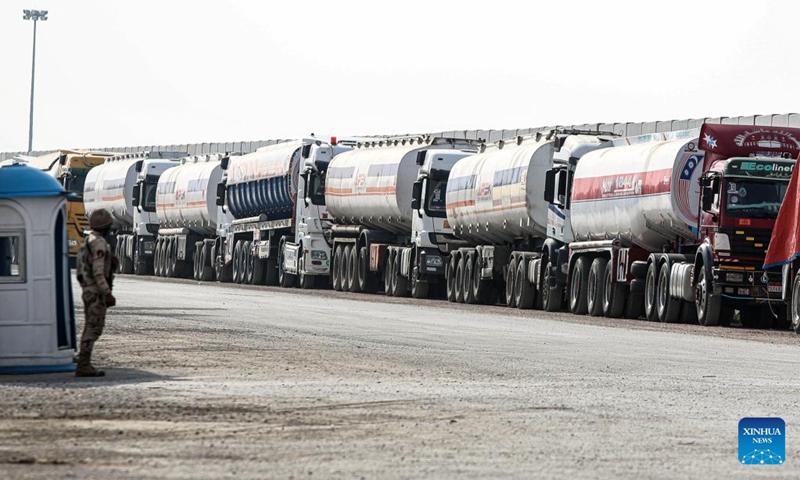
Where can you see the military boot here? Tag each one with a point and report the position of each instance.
(85, 368)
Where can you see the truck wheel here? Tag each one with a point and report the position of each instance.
(613, 294)
(139, 264)
(344, 269)
(595, 287)
(419, 288)
(400, 283)
(451, 279)
(126, 262)
(196, 263)
(552, 297)
(353, 279)
(306, 281)
(248, 263)
(271, 271)
(389, 275)
(286, 279)
(171, 257)
(634, 303)
(469, 271)
(511, 274)
(157, 258)
(524, 294)
(481, 289)
(367, 280)
(237, 262)
(206, 272)
(708, 306)
(669, 308)
(336, 279)
(794, 305)
(651, 293)
(458, 285)
(578, 303)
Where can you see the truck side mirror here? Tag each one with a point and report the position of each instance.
(220, 194)
(708, 198)
(223, 163)
(550, 186)
(306, 152)
(137, 195)
(421, 158)
(416, 195)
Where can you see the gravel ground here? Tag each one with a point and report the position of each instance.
(216, 381)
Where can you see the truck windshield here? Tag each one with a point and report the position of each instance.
(435, 201)
(754, 199)
(316, 188)
(149, 197)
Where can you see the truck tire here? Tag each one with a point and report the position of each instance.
(171, 257)
(139, 264)
(344, 269)
(237, 262)
(196, 263)
(511, 275)
(353, 279)
(336, 279)
(552, 296)
(286, 279)
(613, 294)
(419, 288)
(306, 281)
(578, 303)
(469, 271)
(481, 289)
(669, 308)
(634, 303)
(709, 306)
(271, 271)
(458, 284)
(389, 275)
(157, 258)
(248, 263)
(524, 293)
(450, 276)
(126, 262)
(400, 283)
(651, 293)
(794, 305)
(206, 272)
(367, 279)
(595, 287)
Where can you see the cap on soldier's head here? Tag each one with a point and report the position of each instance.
(100, 220)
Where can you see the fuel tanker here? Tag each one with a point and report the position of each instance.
(676, 229)
(125, 186)
(189, 218)
(387, 200)
(496, 206)
(277, 234)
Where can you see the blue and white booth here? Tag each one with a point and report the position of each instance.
(37, 319)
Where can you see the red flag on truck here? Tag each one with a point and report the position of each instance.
(726, 141)
(785, 243)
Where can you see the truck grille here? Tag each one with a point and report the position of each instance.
(749, 243)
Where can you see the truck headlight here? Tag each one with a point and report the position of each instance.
(433, 261)
(318, 255)
(721, 241)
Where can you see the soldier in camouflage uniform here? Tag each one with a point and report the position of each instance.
(96, 284)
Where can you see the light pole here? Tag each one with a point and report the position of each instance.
(34, 15)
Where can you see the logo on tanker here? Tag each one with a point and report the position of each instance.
(360, 183)
(621, 186)
(687, 192)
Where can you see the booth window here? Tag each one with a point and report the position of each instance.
(11, 257)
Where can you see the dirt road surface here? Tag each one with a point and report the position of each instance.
(215, 381)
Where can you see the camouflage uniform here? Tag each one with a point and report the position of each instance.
(96, 288)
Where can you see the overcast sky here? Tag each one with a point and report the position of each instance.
(143, 72)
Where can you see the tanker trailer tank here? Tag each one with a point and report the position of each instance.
(389, 226)
(117, 186)
(188, 217)
(495, 203)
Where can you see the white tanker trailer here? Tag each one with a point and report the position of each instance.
(387, 198)
(659, 225)
(125, 185)
(188, 217)
(495, 203)
(277, 233)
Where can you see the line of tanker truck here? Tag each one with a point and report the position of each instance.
(671, 226)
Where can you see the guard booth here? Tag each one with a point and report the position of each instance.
(37, 315)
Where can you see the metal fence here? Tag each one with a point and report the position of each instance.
(624, 129)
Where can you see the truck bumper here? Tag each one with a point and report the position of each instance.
(754, 285)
